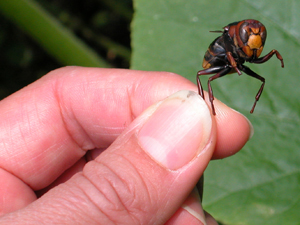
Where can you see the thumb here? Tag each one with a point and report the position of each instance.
(143, 177)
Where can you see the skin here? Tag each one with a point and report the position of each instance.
(71, 116)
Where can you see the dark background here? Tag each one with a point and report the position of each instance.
(22, 60)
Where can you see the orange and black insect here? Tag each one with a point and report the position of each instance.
(240, 42)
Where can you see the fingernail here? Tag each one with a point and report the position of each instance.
(178, 130)
(193, 206)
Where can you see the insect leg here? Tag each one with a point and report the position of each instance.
(210, 91)
(233, 62)
(268, 56)
(208, 71)
(248, 71)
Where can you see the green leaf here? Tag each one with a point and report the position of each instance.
(59, 42)
(259, 185)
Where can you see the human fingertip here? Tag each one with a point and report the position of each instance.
(193, 206)
(224, 113)
(250, 126)
(210, 220)
(178, 129)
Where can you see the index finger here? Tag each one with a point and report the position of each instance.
(49, 125)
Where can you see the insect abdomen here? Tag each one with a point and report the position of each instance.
(215, 54)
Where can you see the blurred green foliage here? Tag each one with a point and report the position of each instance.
(39, 36)
(260, 184)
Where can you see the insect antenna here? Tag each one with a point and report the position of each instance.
(216, 31)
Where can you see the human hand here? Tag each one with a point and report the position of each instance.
(152, 160)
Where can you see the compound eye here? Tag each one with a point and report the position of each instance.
(263, 35)
(244, 33)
